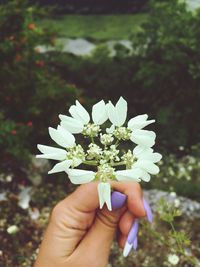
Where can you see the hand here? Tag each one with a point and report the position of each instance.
(79, 234)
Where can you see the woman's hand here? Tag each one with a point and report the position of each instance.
(79, 234)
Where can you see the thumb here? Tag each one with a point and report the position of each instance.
(96, 244)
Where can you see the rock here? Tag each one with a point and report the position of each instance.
(189, 208)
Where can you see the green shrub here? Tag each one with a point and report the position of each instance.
(32, 92)
(161, 78)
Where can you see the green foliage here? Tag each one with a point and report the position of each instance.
(179, 174)
(32, 92)
(160, 78)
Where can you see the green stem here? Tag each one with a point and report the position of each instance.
(179, 245)
(118, 163)
(90, 162)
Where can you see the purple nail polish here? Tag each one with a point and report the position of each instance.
(148, 211)
(117, 200)
(133, 232)
(135, 243)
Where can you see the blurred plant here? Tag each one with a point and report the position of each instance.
(180, 174)
(161, 77)
(31, 91)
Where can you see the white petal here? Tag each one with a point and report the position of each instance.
(141, 149)
(148, 166)
(146, 177)
(79, 112)
(121, 108)
(110, 130)
(62, 166)
(139, 122)
(78, 176)
(117, 115)
(51, 152)
(143, 137)
(99, 113)
(142, 174)
(128, 175)
(70, 124)
(153, 157)
(62, 137)
(104, 193)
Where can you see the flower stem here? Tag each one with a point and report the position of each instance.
(119, 163)
(90, 162)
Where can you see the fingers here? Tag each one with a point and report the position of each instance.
(134, 196)
(125, 223)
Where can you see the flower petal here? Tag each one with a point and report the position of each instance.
(148, 166)
(141, 149)
(110, 130)
(143, 138)
(51, 152)
(104, 193)
(79, 112)
(78, 176)
(62, 137)
(62, 166)
(70, 124)
(117, 115)
(99, 113)
(128, 175)
(139, 122)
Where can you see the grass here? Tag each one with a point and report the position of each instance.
(98, 28)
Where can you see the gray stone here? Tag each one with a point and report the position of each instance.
(189, 208)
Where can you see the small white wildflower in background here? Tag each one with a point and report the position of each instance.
(173, 259)
(104, 148)
(177, 203)
(13, 229)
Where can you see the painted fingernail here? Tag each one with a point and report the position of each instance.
(117, 200)
(135, 243)
(148, 211)
(127, 249)
(131, 237)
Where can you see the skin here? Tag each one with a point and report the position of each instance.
(79, 234)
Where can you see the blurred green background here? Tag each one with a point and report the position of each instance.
(146, 51)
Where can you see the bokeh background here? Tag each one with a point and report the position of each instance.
(51, 54)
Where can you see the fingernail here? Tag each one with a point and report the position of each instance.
(117, 200)
(133, 232)
(127, 249)
(148, 211)
(131, 237)
(135, 243)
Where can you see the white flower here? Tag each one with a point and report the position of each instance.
(128, 175)
(103, 148)
(139, 122)
(72, 125)
(145, 164)
(99, 113)
(173, 259)
(79, 113)
(78, 176)
(80, 117)
(51, 152)
(13, 229)
(62, 137)
(55, 154)
(143, 138)
(117, 114)
(104, 192)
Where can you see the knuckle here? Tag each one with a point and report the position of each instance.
(57, 213)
